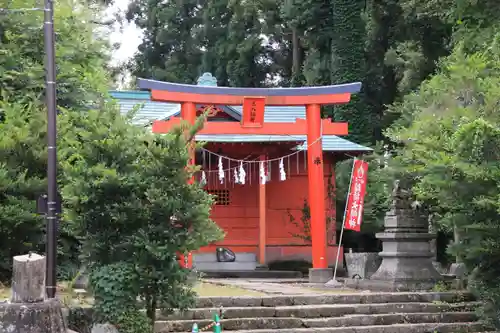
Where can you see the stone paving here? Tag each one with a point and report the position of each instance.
(280, 286)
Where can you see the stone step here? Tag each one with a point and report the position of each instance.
(278, 323)
(318, 311)
(256, 274)
(397, 328)
(225, 266)
(212, 257)
(341, 298)
(391, 319)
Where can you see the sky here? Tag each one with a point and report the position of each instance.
(128, 35)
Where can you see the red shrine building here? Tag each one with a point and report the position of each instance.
(267, 154)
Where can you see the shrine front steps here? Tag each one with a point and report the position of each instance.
(333, 298)
(399, 328)
(342, 313)
(253, 274)
(245, 266)
(348, 321)
(207, 262)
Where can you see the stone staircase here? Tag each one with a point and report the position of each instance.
(424, 312)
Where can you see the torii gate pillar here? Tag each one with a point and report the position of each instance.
(320, 271)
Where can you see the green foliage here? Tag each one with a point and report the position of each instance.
(303, 223)
(130, 204)
(81, 54)
(80, 319)
(469, 11)
(382, 23)
(172, 53)
(232, 43)
(128, 207)
(115, 287)
(414, 54)
(348, 65)
(218, 36)
(451, 138)
(21, 178)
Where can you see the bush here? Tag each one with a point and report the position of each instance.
(450, 130)
(81, 54)
(129, 202)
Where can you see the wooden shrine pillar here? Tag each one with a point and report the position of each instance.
(188, 113)
(316, 186)
(262, 219)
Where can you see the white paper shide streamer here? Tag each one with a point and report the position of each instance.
(262, 173)
(282, 170)
(221, 171)
(203, 180)
(243, 174)
(236, 177)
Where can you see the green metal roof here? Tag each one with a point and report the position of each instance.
(150, 111)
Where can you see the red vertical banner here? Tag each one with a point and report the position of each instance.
(356, 199)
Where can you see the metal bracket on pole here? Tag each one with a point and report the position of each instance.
(42, 204)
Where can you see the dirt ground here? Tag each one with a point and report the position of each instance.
(68, 295)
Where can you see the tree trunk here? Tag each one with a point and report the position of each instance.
(151, 309)
(295, 57)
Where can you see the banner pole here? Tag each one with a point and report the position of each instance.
(343, 224)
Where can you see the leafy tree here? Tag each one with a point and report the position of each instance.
(81, 52)
(130, 203)
(382, 20)
(170, 50)
(184, 39)
(232, 43)
(22, 177)
(450, 134)
(81, 55)
(126, 197)
(214, 37)
(246, 65)
(348, 65)
(277, 30)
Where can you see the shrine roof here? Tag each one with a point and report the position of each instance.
(150, 110)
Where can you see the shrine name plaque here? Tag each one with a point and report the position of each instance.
(253, 112)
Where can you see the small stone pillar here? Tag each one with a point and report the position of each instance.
(28, 279)
(406, 254)
(28, 310)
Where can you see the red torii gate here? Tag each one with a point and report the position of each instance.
(254, 101)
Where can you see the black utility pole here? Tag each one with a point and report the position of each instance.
(51, 244)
